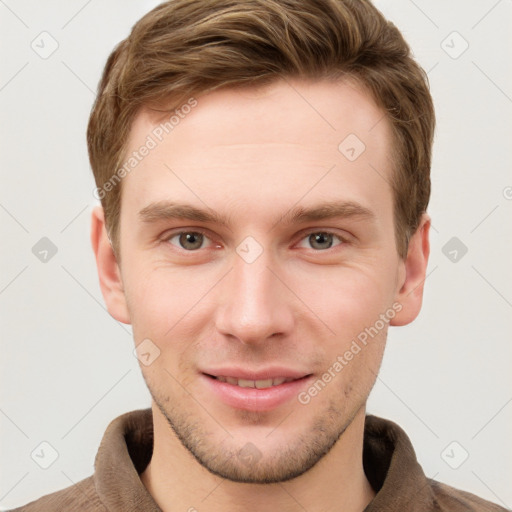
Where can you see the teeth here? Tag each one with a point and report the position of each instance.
(243, 383)
(258, 384)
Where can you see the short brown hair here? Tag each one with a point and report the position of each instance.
(184, 48)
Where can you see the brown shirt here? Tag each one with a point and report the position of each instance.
(389, 462)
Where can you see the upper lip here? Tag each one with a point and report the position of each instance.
(261, 374)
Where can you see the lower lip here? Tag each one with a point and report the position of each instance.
(254, 399)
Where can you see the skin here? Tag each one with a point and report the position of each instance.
(253, 156)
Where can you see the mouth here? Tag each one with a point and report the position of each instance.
(255, 392)
(248, 383)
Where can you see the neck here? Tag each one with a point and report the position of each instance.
(177, 482)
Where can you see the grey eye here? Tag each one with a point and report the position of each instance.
(321, 240)
(189, 240)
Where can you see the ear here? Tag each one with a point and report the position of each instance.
(109, 273)
(410, 294)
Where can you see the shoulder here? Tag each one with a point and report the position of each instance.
(81, 496)
(450, 499)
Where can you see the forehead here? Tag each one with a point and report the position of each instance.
(262, 141)
(295, 111)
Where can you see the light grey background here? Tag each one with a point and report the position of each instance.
(67, 368)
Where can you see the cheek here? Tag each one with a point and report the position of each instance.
(162, 311)
(170, 308)
(347, 299)
(156, 301)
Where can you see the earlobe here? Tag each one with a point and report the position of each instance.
(410, 294)
(108, 269)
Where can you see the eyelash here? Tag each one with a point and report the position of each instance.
(305, 235)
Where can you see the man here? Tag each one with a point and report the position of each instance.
(263, 168)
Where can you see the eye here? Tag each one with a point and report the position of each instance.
(189, 240)
(321, 240)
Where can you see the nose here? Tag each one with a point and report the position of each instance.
(254, 304)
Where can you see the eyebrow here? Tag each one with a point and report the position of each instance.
(169, 210)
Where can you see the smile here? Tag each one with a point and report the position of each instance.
(258, 384)
(264, 392)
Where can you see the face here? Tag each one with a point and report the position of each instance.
(255, 248)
